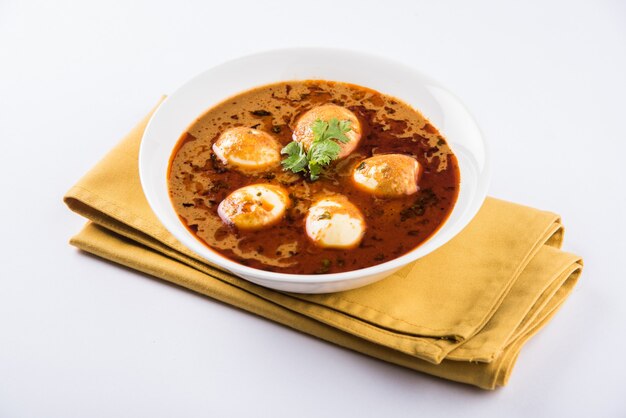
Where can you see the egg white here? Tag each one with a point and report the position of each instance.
(334, 222)
(254, 207)
(388, 175)
(247, 149)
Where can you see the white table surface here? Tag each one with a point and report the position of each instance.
(84, 338)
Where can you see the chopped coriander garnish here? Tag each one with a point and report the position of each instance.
(296, 160)
(325, 266)
(323, 150)
(325, 215)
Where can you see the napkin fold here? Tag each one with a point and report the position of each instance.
(462, 313)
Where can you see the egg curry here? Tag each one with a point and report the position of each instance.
(312, 177)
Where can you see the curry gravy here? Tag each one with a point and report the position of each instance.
(198, 181)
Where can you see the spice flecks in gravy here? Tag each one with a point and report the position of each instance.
(199, 181)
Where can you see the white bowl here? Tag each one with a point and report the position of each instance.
(199, 94)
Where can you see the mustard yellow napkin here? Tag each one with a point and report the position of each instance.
(461, 313)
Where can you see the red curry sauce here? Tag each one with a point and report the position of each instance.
(198, 181)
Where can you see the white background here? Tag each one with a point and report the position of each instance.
(84, 338)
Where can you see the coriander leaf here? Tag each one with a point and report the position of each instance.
(344, 125)
(315, 170)
(319, 128)
(292, 148)
(297, 159)
(337, 130)
(323, 152)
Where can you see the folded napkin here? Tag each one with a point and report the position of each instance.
(461, 313)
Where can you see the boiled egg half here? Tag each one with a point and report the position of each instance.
(254, 207)
(388, 175)
(247, 149)
(334, 222)
(303, 131)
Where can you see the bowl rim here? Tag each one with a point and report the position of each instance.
(278, 277)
